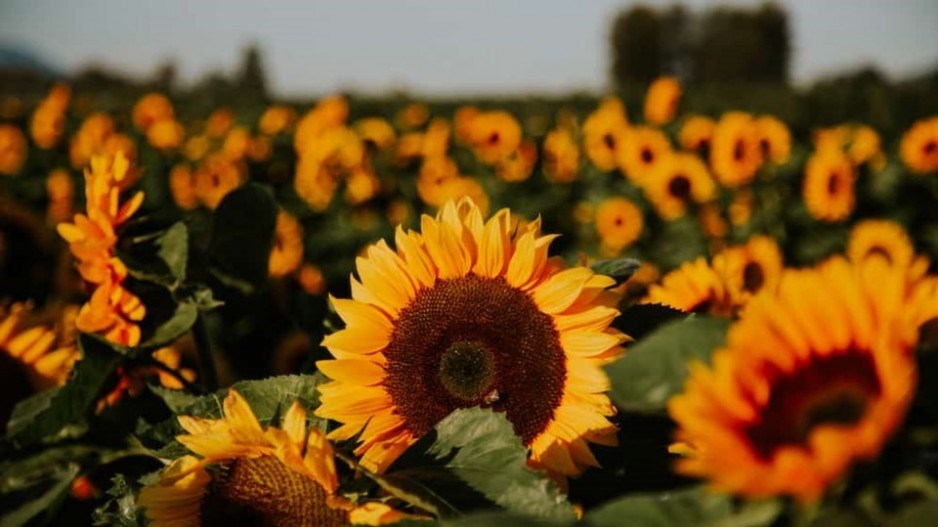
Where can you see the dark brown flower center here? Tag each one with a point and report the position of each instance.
(475, 341)
(610, 141)
(493, 138)
(831, 390)
(739, 150)
(647, 155)
(878, 250)
(930, 147)
(753, 277)
(679, 187)
(765, 146)
(833, 183)
(262, 492)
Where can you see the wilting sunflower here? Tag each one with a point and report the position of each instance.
(643, 150)
(286, 251)
(919, 147)
(603, 133)
(882, 239)
(815, 377)
(13, 150)
(828, 185)
(472, 313)
(661, 101)
(697, 134)
(619, 223)
(694, 287)
(679, 180)
(774, 139)
(735, 154)
(750, 268)
(278, 477)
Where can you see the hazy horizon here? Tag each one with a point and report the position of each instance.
(430, 48)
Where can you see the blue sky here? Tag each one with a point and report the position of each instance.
(426, 46)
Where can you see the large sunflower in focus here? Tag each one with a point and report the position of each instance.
(469, 313)
(248, 475)
(816, 376)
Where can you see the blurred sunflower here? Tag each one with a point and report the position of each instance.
(276, 119)
(13, 150)
(774, 139)
(619, 223)
(561, 156)
(694, 287)
(413, 115)
(451, 319)
(89, 139)
(435, 141)
(919, 146)
(519, 165)
(151, 109)
(167, 134)
(603, 133)
(215, 177)
(662, 100)
(815, 376)
(46, 354)
(434, 173)
(376, 132)
(48, 121)
(494, 136)
(735, 153)
(866, 147)
(60, 189)
(679, 180)
(286, 251)
(219, 122)
(697, 134)
(828, 185)
(182, 187)
(750, 268)
(278, 477)
(642, 150)
(462, 123)
(882, 239)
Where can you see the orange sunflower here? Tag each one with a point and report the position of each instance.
(697, 134)
(286, 252)
(735, 153)
(151, 109)
(694, 287)
(45, 354)
(561, 156)
(603, 133)
(279, 477)
(774, 139)
(828, 185)
(48, 122)
(919, 147)
(466, 313)
(662, 100)
(619, 223)
(13, 150)
(679, 180)
(750, 268)
(642, 152)
(494, 136)
(815, 376)
(884, 239)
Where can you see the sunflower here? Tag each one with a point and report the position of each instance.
(919, 147)
(518, 166)
(151, 109)
(167, 134)
(882, 239)
(561, 156)
(215, 177)
(619, 223)
(60, 189)
(661, 101)
(286, 251)
(866, 147)
(48, 121)
(828, 185)
(750, 268)
(376, 132)
(696, 134)
(276, 119)
(774, 139)
(735, 154)
(642, 151)
(679, 180)
(694, 287)
(815, 376)
(603, 133)
(494, 136)
(414, 115)
(468, 313)
(278, 477)
(13, 149)
(46, 354)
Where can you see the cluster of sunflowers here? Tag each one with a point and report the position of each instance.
(566, 319)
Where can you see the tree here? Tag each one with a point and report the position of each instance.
(636, 46)
(252, 79)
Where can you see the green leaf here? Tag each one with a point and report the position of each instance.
(47, 413)
(174, 250)
(176, 400)
(620, 269)
(47, 502)
(178, 324)
(121, 509)
(654, 369)
(480, 446)
(493, 518)
(685, 507)
(242, 231)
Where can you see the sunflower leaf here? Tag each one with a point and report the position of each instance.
(654, 369)
(480, 446)
(45, 414)
(619, 269)
(685, 507)
(51, 494)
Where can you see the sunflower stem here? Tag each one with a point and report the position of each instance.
(203, 344)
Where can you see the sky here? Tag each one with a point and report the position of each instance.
(429, 47)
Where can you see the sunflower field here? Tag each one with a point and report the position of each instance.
(325, 315)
